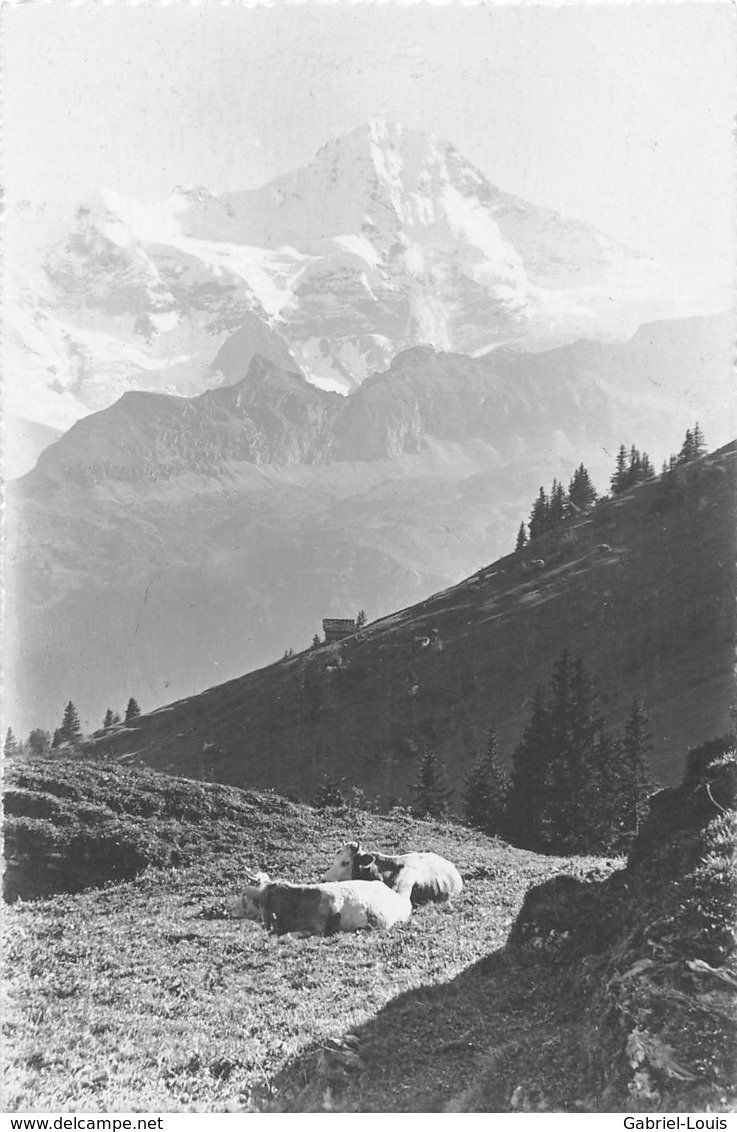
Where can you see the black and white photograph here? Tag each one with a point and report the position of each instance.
(369, 473)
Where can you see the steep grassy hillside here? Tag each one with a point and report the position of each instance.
(613, 992)
(644, 590)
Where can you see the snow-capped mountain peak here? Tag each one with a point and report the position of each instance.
(387, 239)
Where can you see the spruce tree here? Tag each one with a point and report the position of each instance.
(698, 442)
(528, 780)
(316, 641)
(132, 710)
(484, 792)
(539, 516)
(108, 720)
(361, 619)
(581, 491)
(648, 471)
(635, 782)
(686, 455)
(634, 467)
(39, 742)
(557, 509)
(432, 794)
(618, 481)
(574, 726)
(11, 748)
(605, 825)
(70, 730)
(521, 537)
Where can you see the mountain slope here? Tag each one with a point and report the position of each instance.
(643, 587)
(158, 521)
(240, 518)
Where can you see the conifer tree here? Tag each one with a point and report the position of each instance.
(316, 641)
(39, 742)
(634, 467)
(539, 516)
(528, 781)
(635, 782)
(484, 792)
(361, 619)
(132, 710)
(108, 720)
(693, 445)
(685, 456)
(557, 509)
(588, 787)
(604, 832)
(11, 748)
(432, 794)
(521, 537)
(698, 442)
(70, 730)
(581, 491)
(565, 816)
(618, 481)
(116, 718)
(648, 471)
(57, 739)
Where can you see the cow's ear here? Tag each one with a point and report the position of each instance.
(363, 860)
(353, 846)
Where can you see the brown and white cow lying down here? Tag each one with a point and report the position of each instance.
(421, 876)
(320, 909)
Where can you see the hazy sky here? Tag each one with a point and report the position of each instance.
(620, 114)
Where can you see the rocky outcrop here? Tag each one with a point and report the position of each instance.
(654, 948)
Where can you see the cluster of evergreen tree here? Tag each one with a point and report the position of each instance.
(672, 472)
(432, 795)
(549, 510)
(68, 734)
(632, 467)
(693, 447)
(485, 792)
(574, 786)
(132, 711)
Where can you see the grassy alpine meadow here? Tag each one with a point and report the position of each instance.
(143, 994)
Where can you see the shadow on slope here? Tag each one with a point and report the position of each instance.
(614, 995)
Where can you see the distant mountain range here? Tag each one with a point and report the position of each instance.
(387, 240)
(642, 586)
(165, 544)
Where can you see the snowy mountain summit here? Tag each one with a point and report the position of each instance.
(387, 240)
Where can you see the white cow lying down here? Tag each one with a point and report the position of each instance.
(421, 876)
(320, 909)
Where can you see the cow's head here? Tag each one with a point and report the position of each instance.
(342, 866)
(249, 905)
(365, 867)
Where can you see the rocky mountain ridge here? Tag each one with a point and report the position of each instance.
(240, 518)
(388, 239)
